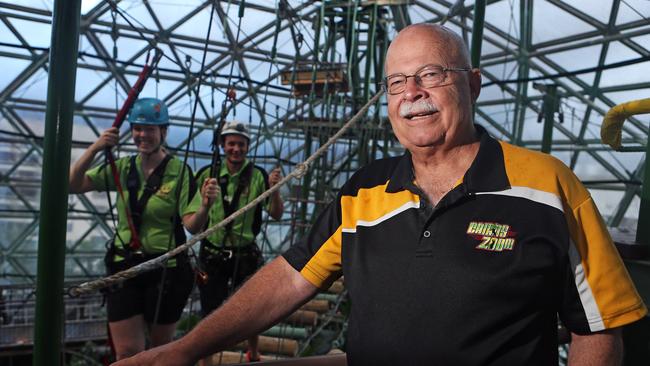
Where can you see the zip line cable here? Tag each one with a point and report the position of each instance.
(202, 73)
(179, 185)
(82, 54)
(299, 171)
(571, 73)
(634, 9)
(77, 143)
(273, 62)
(151, 43)
(216, 164)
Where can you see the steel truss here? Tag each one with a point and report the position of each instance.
(279, 38)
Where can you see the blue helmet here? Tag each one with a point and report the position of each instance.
(149, 111)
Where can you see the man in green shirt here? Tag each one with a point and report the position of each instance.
(230, 255)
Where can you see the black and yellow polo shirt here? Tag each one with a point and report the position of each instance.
(480, 277)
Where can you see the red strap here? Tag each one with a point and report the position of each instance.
(133, 95)
(135, 243)
(137, 88)
(135, 239)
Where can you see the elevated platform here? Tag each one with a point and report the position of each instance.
(323, 78)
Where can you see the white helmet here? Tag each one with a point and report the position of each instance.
(235, 128)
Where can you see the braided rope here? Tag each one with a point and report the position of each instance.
(298, 172)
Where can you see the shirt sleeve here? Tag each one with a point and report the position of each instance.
(189, 193)
(265, 187)
(318, 256)
(598, 292)
(102, 177)
(194, 204)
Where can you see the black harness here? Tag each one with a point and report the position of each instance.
(230, 207)
(152, 185)
(137, 206)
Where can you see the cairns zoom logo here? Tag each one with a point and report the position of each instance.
(494, 237)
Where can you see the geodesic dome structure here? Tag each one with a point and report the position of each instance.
(297, 70)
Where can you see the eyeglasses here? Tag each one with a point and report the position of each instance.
(426, 77)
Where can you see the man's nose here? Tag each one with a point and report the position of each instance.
(412, 90)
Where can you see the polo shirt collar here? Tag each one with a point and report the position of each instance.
(488, 171)
(402, 176)
(224, 169)
(486, 174)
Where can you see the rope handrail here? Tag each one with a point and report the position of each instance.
(298, 172)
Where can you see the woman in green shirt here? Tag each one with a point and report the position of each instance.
(154, 300)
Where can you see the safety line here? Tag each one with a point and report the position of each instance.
(298, 172)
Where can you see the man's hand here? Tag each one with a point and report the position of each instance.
(194, 222)
(209, 192)
(108, 138)
(275, 177)
(165, 355)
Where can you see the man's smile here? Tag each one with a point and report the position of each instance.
(416, 110)
(420, 115)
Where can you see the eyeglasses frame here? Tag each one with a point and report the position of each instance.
(418, 81)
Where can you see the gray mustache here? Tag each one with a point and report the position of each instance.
(421, 106)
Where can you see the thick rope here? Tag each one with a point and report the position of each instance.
(298, 172)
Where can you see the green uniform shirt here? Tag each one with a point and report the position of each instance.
(246, 227)
(157, 219)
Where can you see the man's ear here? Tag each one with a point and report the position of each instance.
(474, 84)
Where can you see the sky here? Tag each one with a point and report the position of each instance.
(549, 23)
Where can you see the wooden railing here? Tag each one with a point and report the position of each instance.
(328, 360)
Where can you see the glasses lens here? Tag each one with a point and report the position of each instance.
(396, 84)
(240, 127)
(430, 76)
(427, 77)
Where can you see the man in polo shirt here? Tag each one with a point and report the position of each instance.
(463, 251)
(230, 255)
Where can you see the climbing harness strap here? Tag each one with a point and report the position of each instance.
(231, 206)
(153, 183)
